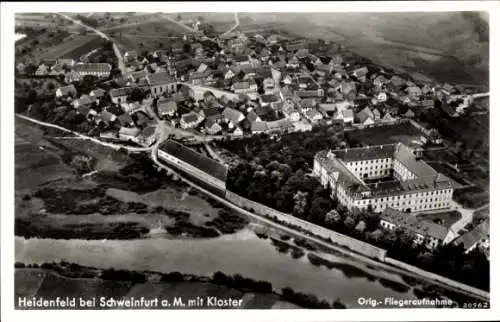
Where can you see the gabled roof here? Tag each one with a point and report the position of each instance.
(240, 58)
(98, 92)
(167, 106)
(211, 113)
(84, 110)
(195, 159)
(360, 71)
(119, 92)
(269, 98)
(413, 224)
(233, 115)
(414, 89)
(212, 124)
(241, 85)
(125, 118)
(65, 90)
(481, 231)
(160, 79)
(252, 116)
(191, 117)
(364, 114)
(92, 67)
(107, 116)
(347, 114)
(148, 131)
(259, 127)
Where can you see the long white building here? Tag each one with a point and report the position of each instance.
(193, 163)
(383, 176)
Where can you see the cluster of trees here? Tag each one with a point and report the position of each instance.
(92, 22)
(241, 283)
(470, 134)
(28, 228)
(247, 284)
(277, 186)
(296, 149)
(276, 172)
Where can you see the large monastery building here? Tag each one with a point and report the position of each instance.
(383, 176)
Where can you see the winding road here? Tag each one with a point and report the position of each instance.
(467, 216)
(233, 27)
(83, 136)
(121, 64)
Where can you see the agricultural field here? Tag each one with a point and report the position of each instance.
(461, 39)
(149, 35)
(149, 28)
(139, 43)
(74, 48)
(35, 20)
(37, 42)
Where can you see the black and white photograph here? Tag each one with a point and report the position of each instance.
(215, 158)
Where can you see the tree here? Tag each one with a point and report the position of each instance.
(179, 17)
(115, 73)
(300, 205)
(137, 95)
(376, 235)
(350, 221)
(30, 69)
(50, 86)
(360, 227)
(186, 48)
(332, 217)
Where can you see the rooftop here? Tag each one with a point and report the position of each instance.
(195, 159)
(233, 115)
(412, 223)
(481, 231)
(119, 92)
(92, 67)
(160, 78)
(426, 176)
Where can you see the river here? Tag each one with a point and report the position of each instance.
(242, 253)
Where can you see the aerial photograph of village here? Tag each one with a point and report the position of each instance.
(246, 160)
